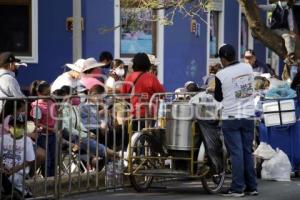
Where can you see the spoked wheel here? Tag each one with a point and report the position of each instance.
(141, 164)
(213, 183)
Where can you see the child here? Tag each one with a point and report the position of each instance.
(13, 155)
(92, 111)
(95, 116)
(9, 109)
(74, 130)
(17, 107)
(44, 112)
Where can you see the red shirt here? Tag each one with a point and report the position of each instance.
(147, 84)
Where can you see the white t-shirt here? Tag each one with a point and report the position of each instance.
(8, 152)
(9, 86)
(110, 82)
(238, 92)
(113, 84)
(64, 80)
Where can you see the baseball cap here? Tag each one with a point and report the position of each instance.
(191, 86)
(8, 57)
(227, 51)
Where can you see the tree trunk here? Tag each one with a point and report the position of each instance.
(259, 29)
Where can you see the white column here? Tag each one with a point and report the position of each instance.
(77, 32)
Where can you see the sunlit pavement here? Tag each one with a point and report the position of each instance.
(189, 190)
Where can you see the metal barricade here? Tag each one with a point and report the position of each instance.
(64, 163)
(78, 146)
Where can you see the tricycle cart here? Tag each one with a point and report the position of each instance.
(178, 147)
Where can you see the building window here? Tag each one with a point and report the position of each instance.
(138, 31)
(142, 35)
(215, 30)
(244, 35)
(214, 38)
(18, 33)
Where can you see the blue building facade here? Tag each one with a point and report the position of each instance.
(183, 54)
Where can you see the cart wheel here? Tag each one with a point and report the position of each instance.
(142, 148)
(213, 183)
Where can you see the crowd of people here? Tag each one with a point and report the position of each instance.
(79, 96)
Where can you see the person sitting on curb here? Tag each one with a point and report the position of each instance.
(282, 23)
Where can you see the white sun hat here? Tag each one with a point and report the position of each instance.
(91, 63)
(77, 66)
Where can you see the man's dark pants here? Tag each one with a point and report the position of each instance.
(239, 135)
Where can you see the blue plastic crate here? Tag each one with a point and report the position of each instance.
(296, 143)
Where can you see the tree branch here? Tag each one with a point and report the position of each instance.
(259, 29)
(263, 33)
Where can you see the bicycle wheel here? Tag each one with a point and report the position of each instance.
(142, 149)
(213, 182)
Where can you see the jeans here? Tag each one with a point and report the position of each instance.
(85, 143)
(239, 136)
(110, 137)
(50, 149)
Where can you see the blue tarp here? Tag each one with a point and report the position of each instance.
(281, 92)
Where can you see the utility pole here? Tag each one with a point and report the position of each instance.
(77, 31)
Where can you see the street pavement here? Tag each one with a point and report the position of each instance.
(191, 190)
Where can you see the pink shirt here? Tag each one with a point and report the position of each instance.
(89, 82)
(45, 106)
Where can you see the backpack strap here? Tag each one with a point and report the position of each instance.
(136, 80)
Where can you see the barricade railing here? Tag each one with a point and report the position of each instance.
(77, 143)
(54, 146)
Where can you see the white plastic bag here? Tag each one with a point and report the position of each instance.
(264, 151)
(278, 168)
(265, 174)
